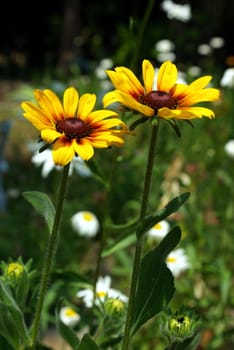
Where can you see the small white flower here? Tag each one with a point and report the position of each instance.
(194, 71)
(45, 160)
(227, 79)
(160, 230)
(229, 148)
(216, 42)
(177, 262)
(85, 223)
(177, 11)
(105, 63)
(164, 45)
(103, 291)
(69, 316)
(166, 56)
(204, 49)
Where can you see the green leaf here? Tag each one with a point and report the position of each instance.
(155, 284)
(121, 244)
(161, 214)
(43, 205)
(12, 325)
(68, 334)
(87, 343)
(127, 236)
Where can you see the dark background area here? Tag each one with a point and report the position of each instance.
(39, 34)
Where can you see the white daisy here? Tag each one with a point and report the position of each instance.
(229, 148)
(69, 316)
(45, 160)
(159, 230)
(103, 292)
(177, 11)
(177, 261)
(227, 79)
(164, 45)
(85, 223)
(217, 42)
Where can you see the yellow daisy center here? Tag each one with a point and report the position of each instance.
(88, 217)
(158, 226)
(171, 259)
(101, 294)
(73, 128)
(158, 99)
(69, 312)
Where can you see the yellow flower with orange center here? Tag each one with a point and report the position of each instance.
(162, 96)
(72, 126)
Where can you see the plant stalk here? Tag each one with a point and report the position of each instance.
(50, 253)
(139, 243)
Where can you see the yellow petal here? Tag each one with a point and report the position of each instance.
(125, 80)
(167, 76)
(55, 103)
(127, 101)
(36, 116)
(174, 113)
(200, 83)
(100, 114)
(86, 105)
(107, 123)
(49, 136)
(45, 103)
(205, 95)
(70, 102)
(200, 112)
(84, 149)
(148, 75)
(63, 151)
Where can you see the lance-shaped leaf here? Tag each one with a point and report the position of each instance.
(43, 205)
(87, 343)
(161, 214)
(155, 286)
(67, 333)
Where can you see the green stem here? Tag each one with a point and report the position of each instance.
(139, 243)
(50, 253)
(141, 32)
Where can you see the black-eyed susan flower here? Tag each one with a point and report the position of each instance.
(72, 126)
(161, 97)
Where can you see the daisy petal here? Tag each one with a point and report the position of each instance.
(84, 149)
(55, 102)
(167, 76)
(36, 116)
(49, 135)
(127, 101)
(148, 75)
(62, 151)
(86, 105)
(70, 102)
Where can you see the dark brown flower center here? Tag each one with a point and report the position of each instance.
(73, 128)
(158, 99)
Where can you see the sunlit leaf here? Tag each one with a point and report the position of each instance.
(43, 205)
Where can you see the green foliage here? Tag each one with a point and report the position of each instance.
(43, 206)
(155, 284)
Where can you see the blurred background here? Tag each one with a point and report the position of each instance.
(55, 44)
